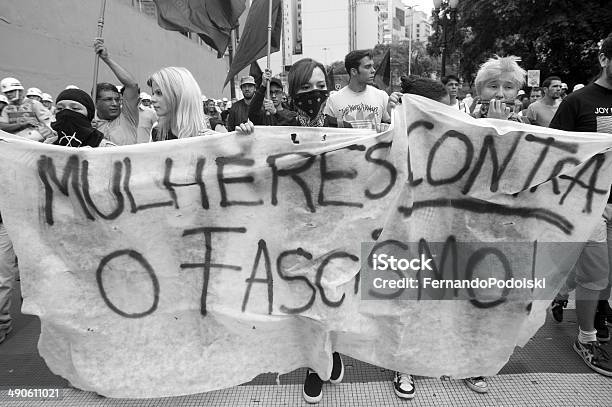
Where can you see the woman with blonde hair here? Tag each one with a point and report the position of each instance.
(177, 100)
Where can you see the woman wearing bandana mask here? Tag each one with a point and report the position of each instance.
(308, 91)
(75, 111)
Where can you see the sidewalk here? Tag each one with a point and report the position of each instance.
(546, 372)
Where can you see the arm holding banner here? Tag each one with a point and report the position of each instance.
(130, 90)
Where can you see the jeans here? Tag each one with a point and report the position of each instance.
(8, 273)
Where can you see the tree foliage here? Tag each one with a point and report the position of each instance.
(558, 37)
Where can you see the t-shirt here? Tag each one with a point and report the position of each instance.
(13, 114)
(122, 130)
(362, 110)
(239, 113)
(588, 109)
(459, 105)
(146, 119)
(541, 113)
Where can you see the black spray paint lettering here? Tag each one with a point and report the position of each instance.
(261, 249)
(139, 258)
(207, 264)
(237, 160)
(303, 279)
(335, 175)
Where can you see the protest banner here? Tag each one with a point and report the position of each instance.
(192, 265)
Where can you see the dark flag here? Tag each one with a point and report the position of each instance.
(254, 40)
(212, 20)
(382, 77)
(256, 72)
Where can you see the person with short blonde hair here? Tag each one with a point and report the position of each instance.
(498, 82)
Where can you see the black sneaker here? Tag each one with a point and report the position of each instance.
(557, 309)
(313, 387)
(337, 373)
(603, 333)
(403, 384)
(595, 357)
(604, 307)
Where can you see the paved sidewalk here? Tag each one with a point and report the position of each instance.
(546, 372)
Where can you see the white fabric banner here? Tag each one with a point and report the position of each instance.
(186, 266)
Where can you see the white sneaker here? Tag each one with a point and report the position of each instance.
(403, 384)
(478, 384)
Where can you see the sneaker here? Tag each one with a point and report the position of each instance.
(5, 333)
(403, 384)
(557, 309)
(337, 373)
(313, 387)
(604, 307)
(479, 384)
(594, 356)
(603, 333)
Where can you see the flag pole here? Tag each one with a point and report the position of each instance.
(97, 59)
(230, 50)
(269, 44)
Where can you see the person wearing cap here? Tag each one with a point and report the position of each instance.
(75, 111)
(146, 118)
(270, 112)
(34, 94)
(239, 113)
(24, 117)
(116, 116)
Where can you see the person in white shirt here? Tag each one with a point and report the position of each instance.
(359, 103)
(451, 83)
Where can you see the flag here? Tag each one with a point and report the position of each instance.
(256, 72)
(382, 78)
(212, 20)
(254, 42)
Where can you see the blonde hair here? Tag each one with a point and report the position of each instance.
(496, 66)
(184, 97)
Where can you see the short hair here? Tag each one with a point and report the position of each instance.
(606, 46)
(548, 81)
(353, 59)
(447, 78)
(497, 65)
(184, 97)
(105, 86)
(426, 87)
(301, 72)
(535, 89)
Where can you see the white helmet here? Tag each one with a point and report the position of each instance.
(3, 99)
(34, 92)
(47, 98)
(204, 98)
(9, 84)
(144, 96)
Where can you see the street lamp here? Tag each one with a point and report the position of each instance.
(411, 8)
(452, 4)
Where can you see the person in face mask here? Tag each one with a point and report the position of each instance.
(75, 111)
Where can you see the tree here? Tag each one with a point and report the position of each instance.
(558, 37)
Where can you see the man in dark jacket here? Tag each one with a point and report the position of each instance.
(270, 112)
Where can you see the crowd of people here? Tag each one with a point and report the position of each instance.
(176, 108)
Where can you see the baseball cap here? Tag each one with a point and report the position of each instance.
(521, 92)
(247, 80)
(145, 96)
(563, 85)
(277, 82)
(577, 86)
(225, 100)
(4, 99)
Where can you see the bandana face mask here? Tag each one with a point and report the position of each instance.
(74, 130)
(311, 102)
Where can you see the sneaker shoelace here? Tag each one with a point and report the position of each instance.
(599, 353)
(404, 379)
